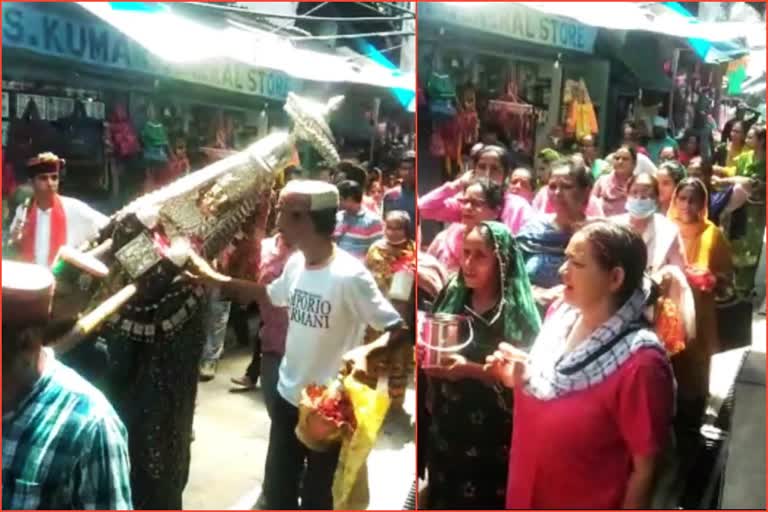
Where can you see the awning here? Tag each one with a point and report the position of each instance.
(724, 38)
(181, 40)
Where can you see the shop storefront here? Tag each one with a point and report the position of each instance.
(68, 77)
(529, 76)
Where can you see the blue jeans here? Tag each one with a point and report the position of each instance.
(216, 320)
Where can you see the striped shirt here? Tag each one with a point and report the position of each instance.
(357, 232)
(64, 447)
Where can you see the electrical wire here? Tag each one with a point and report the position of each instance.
(385, 50)
(353, 36)
(392, 5)
(261, 31)
(303, 16)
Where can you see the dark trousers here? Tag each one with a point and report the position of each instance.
(286, 457)
(270, 374)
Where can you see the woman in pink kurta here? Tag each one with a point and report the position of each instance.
(594, 399)
(490, 162)
(480, 201)
(611, 188)
(543, 204)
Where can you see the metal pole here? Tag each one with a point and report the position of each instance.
(375, 118)
(670, 115)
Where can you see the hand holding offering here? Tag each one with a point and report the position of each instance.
(507, 364)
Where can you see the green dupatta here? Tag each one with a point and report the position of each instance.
(517, 308)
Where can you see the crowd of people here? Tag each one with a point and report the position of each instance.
(319, 272)
(593, 287)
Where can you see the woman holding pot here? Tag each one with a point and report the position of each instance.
(468, 414)
(594, 400)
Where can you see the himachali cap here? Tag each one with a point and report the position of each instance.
(27, 293)
(322, 195)
(44, 163)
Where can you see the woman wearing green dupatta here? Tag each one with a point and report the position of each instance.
(469, 417)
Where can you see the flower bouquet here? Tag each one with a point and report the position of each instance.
(701, 279)
(669, 326)
(326, 416)
(403, 271)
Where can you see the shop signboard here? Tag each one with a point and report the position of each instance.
(93, 42)
(513, 21)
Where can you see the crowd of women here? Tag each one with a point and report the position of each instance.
(592, 301)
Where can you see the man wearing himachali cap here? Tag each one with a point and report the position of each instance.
(64, 446)
(50, 220)
(331, 298)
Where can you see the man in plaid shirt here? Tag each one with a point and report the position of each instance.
(63, 445)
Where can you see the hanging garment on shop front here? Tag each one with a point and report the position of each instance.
(154, 139)
(581, 120)
(125, 141)
(31, 135)
(83, 136)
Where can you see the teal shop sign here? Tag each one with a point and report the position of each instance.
(513, 21)
(76, 38)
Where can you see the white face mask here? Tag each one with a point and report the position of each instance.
(641, 208)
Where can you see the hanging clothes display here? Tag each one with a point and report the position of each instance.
(469, 124)
(581, 119)
(516, 118)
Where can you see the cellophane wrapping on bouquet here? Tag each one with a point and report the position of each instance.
(350, 483)
(326, 416)
(675, 310)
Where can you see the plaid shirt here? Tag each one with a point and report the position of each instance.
(64, 447)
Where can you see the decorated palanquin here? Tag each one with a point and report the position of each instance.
(130, 277)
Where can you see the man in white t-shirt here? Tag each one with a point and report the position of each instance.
(331, 297)
(49, 220)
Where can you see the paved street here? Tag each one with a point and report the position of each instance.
(231, 434)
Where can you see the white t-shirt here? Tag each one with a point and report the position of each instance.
(328, 309)
(83, 222)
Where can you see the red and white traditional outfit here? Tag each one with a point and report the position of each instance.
(67, 222)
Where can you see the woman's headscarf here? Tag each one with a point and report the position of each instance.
(690, 231)
(517, 307)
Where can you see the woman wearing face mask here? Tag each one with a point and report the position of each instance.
(544, 239)
(469, 416)
(611, 189)
(661, 236)
(708, 252)
(482, 200)
(593, 401)
(668, 176)
(491, 163)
